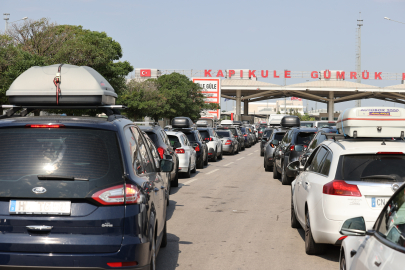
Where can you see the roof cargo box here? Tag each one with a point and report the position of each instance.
(226, 122)
(237, 123)
(182, 122)
(290, 121)
(78, 86)
(208, 122)
(377, 122)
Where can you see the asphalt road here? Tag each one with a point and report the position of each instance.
(234, 215)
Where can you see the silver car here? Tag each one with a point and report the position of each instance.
(185, 152)
(230, 144)
(269, 148)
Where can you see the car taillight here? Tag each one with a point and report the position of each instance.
(161, 152)
(228, 142)
(272, 145)
(292, 147)
(122, 264)
(260, 131)
(44, 126)
(180, 151)
(245, 135)
(341, 188)
(236, 136)
(197, 148)
(118, 195)
(208, 139)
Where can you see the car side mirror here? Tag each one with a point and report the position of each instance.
(176, 145)
(166, 165)
(354, 227)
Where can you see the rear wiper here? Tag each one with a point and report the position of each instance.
(387, 177)
(61, 177)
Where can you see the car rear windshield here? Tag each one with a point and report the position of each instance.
(268, 133)
(223, 134)
(262, 128)
(86, 154)
(325, 124)
(190, 136)
(279, 136)
(304, 137)
(173, 139)
(354, 167)
(308, 125)
(153, 137)
(204, 134)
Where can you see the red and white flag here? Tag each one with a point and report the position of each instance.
(295, 98)
(145, 72)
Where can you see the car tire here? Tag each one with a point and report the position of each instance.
(152, 264)
(221, 155)
(206, 160)
(261, 153)
(276, 174)
(267, 167)
(342, 263)
(175, 181)
(284, 179)
(188, 173)
(195, 168)
(294, 221)
(215, 157)
(164, 238)
(312, 248)
(200, 165)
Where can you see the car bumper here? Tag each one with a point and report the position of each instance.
(184, 163)
(269, 161)
(227, 148)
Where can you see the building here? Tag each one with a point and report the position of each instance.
(265, 108)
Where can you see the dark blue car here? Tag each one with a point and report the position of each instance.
(80, 193)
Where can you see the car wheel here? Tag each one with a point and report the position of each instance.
(342, 264)
(215, 157)
(294, 222)
(221, 155)
(206, 159)
(312, 248)
(152, 265)
(175, 181)
(200, 165)
(195, 168)
(267, 167)
(284, 178)
(164, 238)
(188, 173)
(276, 174)
(261, 153)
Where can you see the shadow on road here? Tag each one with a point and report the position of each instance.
(332, 253)
(168, 257)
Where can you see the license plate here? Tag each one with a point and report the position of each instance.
(378, 202)
(19, 207)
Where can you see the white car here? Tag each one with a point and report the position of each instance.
(213, 142)
(185, 152)
(383, 247)
(344, 179)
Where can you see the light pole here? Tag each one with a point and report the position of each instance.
(7, 17)
(393, 20)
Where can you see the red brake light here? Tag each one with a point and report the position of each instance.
(272, 145)
(228, 142)
(260, 131)
(118, 195)
(390, 153)
(245, 135)
(342, 238)
(197, 148)
(292, 147)
(341, 188)
(44, 126)
(180, 151)
(208, 139)
(121, 264)
(161, 152)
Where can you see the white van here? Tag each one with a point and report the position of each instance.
(275, 119)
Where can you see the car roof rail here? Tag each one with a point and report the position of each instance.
(112, 111)
(153, 124)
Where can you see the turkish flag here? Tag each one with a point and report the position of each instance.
(145, 72)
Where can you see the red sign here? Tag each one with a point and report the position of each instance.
(145, 72)
(295, 98)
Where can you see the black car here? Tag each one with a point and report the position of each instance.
(318, 138)
(237, 133)
(80, 192)
(194, 136)
(291, 147)
(265, 138)
(165, 150)
(247, 136)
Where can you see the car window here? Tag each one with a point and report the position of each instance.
(317, 160)
(278, 136)
(174, 139)
(153, 137)
(165, 138)
(199, 136)
(285, 138)
(391, 223)
(268, 133)
(223, 134)
(304, 138)
(204, 134)
(317, 140)
(326, 164)
(190, 136)
(137, 164)
(153, 151)
(325, 124)
(143, 150)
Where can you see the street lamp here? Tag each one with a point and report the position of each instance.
(7, 17)
(393, 20)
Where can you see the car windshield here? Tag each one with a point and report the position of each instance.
(268, 133)
(223, 134)
(304, 138)
(308, 125)
(356, 167)
(190, 136)
(326, 124)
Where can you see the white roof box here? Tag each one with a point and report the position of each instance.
(377, 122)
(78, 86)
(226, 122)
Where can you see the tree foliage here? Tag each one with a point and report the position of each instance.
(41, 43)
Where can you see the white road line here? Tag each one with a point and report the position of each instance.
(250, 154)
(213, 171)
(188, 182)
(240, 158)
(228, 164)
(257, 151)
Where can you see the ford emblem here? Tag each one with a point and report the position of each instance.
(395, 187)
(39, 190)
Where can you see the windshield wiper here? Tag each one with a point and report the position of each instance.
(391, 177)
(60, 177)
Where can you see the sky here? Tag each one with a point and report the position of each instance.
(275, 35)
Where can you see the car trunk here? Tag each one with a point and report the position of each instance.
(48, 177)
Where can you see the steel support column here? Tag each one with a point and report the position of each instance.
(246, 107)
(238, 104)
(331, 106)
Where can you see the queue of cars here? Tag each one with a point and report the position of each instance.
(346, 185)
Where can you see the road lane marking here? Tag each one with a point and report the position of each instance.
(250, 154)
(213, 171)
(190, 181)
(240, 158)
(228, 164)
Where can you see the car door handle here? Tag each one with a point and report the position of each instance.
(377, 263)
(156, 189)
(306, 183)
(39, 228)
